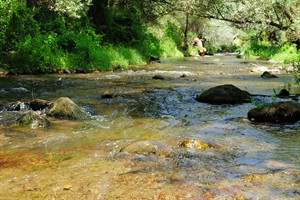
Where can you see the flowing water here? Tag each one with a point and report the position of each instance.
(82, 159)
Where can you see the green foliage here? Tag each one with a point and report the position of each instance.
(192, 50)
(173, 32)
(132, 55)
(258, 104)
(170, 48)
(296, 72)
(148, 46)
(33, 54)
(169, 39)
(288, 53)
(73, 9)
(262, 49)
(219, 36)
(42, 40)
(121, 26)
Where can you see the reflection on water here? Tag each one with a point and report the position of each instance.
(81, 160)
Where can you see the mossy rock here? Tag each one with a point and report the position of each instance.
(8, 118)
(224, 94)
(280, 112)
(33, 119)
(147, 147)
(65, 108)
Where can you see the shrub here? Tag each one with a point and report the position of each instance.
(170, 48)
(148, 46)
(264, 50)
(287, 53)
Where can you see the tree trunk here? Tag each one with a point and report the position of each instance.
(97, 12)
(185, 46)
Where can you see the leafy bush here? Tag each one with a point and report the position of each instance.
(45, 40)
(288, 53)
(262, 49)
(132, 55)
(173, 32)
(210, 47)
(170, 48)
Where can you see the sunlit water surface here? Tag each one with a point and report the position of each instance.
(82, 159)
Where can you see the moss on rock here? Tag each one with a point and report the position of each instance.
(33, 119)
(65, 108)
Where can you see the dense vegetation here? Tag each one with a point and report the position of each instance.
(47, 36)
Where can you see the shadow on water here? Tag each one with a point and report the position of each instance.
(81, 159)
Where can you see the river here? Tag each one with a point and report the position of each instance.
(82, 159)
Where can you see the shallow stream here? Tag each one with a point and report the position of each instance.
(82, 159)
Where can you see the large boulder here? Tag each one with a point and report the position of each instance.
(279, 112)
(65, 108)
(33, 119)
(224, 94)
(147, 147)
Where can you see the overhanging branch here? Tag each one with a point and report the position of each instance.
(245, 21)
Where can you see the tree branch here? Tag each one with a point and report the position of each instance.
(237, 21)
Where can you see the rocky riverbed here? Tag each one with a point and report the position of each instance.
(149, 138)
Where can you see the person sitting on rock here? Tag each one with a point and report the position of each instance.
(201, 49)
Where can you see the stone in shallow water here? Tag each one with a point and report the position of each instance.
(267, 74)
(65, 108)
(147, 147)
(33, 119)
(279, 112)
(195, 144)
(224, 94)
(159, 77)
(283, 93)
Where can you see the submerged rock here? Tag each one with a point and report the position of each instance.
(224, 94)
(19, 90)
(33, 119)
(267, 74)
(65, 108)
(27, 118)
(147, 147)
(158, 77)
(279, 112)
(195, 144)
